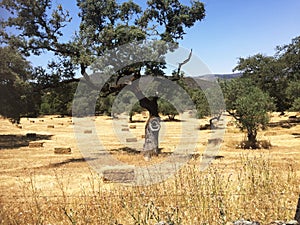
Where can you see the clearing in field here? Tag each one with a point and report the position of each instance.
(41, 186)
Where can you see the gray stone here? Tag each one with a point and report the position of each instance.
(246, 222)
(119, 174)
(131, 140)
(62, 150)
(163, 223)
(35, 144)
(88, 132)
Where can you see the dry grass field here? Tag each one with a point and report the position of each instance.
(40, 187)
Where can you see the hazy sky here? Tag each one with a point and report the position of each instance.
(231, 29)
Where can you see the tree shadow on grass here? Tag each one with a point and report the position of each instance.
(11, 141)
(68, 161)
(173, 120)
(125, 150)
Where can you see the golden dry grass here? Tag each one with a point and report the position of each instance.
(40, 187)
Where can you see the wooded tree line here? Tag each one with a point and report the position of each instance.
(24, 89)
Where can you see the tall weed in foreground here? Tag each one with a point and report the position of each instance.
(254, 189)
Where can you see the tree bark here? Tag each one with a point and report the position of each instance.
(153, 124)
(151, 145)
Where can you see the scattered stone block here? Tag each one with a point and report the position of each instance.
(87, 131)
(50, 126)
(132, 126)
(62, 150)
(246, 222)
(31, 135)
(131, 140)
(125, 129)
(143, 136)
(35, 144)
(119, 174)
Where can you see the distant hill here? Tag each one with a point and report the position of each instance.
(211, 77)
(205, 81)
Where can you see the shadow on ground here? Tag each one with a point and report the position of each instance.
(11, 141)
(125, 150)
(70, 161)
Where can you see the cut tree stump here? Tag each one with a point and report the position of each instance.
(35, 144)
(119, 174)
(131, 140)
(41, 120)
(50, 126)
(32, 121)
(62, 150)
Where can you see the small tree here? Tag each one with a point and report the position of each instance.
(167, 109)
(249, 106)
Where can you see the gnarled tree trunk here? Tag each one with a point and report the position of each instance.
(151, 137)
(151, 145)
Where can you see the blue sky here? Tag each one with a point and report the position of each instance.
(231, 29)
(237, 28)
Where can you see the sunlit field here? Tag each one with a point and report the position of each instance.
(41, 187)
